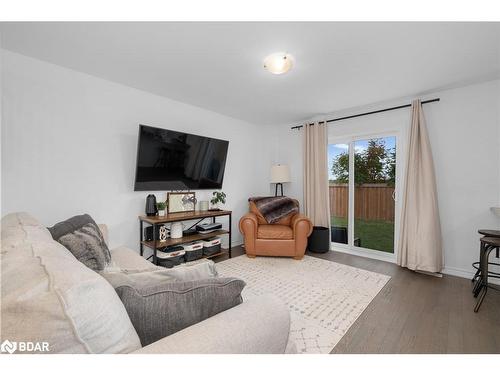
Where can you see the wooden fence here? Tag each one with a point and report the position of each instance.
(371, 201)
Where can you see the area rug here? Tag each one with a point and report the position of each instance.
(325, 298)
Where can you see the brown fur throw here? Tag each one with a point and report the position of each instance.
(275, 208)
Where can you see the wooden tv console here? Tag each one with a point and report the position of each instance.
(199, 216)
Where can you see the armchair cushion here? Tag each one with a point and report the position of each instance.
(274, 232)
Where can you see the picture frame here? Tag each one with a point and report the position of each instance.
(181, 202)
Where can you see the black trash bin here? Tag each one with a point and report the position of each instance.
(339, 234)
(319, 240)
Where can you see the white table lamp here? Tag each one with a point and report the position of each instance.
(279, 175)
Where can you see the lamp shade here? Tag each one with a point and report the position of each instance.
(280, 173)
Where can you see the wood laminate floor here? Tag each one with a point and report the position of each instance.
(416, 313)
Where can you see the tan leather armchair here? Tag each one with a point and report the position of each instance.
(287, 237)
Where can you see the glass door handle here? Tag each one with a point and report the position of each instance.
(394, 195)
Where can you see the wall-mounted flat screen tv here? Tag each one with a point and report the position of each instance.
(171, 160)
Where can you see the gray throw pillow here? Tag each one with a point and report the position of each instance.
(82, 237)
(158, 309)
(117, 276)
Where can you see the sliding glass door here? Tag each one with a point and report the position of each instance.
(338, 166)
(362, 185)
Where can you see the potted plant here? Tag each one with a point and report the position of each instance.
(161, 208)
(217, 197)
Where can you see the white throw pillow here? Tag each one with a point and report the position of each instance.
(49, 296)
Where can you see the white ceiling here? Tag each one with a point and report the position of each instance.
(218, 66)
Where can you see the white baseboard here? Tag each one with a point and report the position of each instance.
(452, 271)
(458, 272)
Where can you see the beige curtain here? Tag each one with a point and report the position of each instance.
(419, 245)
(316, 205)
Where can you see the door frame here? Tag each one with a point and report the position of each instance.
(349, 248)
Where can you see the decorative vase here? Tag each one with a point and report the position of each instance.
(163, 233)
(176, 230)
(203, 205)
(151, 209)
(161, 212)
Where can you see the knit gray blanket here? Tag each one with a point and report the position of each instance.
(275, 208)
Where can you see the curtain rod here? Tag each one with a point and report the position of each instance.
(371, 113)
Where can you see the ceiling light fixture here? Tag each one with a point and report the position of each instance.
(278, 63)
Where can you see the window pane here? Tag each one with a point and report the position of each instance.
(374, 206)
(338, 175)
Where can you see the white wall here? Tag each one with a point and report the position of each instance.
(464, 130)
(69, 147)
(288, 151)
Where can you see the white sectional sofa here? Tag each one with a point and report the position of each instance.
(48, 296)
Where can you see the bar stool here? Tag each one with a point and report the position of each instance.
(488, 243)
(487, 233)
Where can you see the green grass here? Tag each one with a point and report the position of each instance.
(374, 234)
